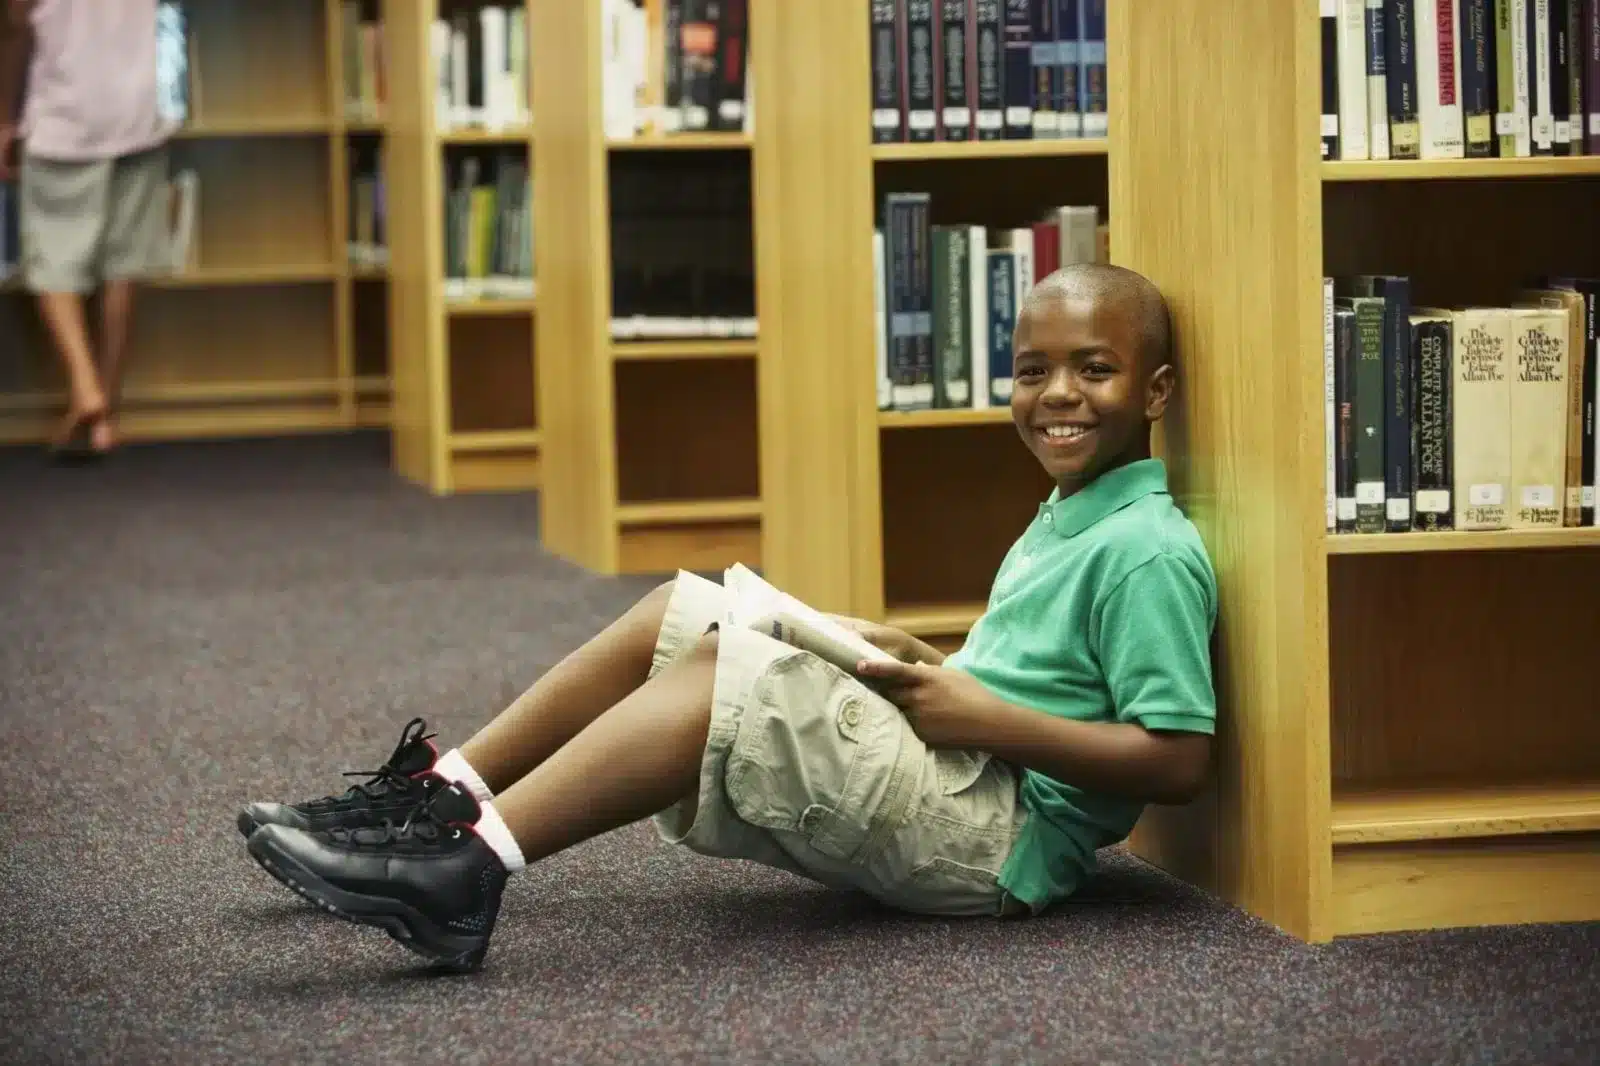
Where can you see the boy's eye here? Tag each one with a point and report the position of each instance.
(1098, 370)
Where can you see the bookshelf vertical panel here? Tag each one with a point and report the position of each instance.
(814, 219)
(1215, 189)
(579, 464)
(416, 261)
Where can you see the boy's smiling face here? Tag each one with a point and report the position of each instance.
(1082, 397)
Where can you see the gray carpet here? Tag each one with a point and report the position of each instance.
(190, 627)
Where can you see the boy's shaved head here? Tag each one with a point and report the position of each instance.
(1131, 296)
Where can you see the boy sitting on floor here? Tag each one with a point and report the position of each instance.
(979, 784)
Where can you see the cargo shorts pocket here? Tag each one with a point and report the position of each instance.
(820, 756)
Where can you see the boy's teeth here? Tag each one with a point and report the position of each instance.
(1063, 431)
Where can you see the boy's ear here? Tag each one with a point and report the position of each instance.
(1158, 391)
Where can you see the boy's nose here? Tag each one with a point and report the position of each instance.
(1061, 389)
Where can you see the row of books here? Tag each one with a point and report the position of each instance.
(488, 226)
(675, 66)
(962, 70)
(481, 66)
(366, 85)
(173, 48)
(1472, 418)
(1454, 79)
(947, 297)
(10, 233)
(682, 245)
(367, 242)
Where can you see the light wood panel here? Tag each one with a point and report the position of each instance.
(571, 251)
(1389, 814)
(1215, 193)
(416, 255)
(263, 203)
(238, 76)
(813, 201)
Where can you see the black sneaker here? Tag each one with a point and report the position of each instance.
(390, 791)
(430, 881)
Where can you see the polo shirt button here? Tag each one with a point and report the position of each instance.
(1047, 519)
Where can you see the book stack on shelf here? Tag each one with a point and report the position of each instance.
(1469, 419)
(1459, 79)
(481, 63)
(368, 248)
(488, 228)
(366, 84)
(988, 70)
(675, 67)
(947, 298)
(259, 326)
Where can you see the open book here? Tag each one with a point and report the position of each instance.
(754, 604)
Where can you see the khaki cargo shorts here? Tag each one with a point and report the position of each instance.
(808, 770)
(84, 222)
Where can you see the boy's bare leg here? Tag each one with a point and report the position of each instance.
(116, 323)
(637, 758)
(579, 689)
(86, 402)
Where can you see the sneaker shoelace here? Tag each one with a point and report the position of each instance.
(420, 823)
(386, 778)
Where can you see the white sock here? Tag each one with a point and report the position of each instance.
(492, 828)
(453, 767)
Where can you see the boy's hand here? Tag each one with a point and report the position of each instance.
(897, 642)
(944, 706)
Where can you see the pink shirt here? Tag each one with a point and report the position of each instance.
(91, 91)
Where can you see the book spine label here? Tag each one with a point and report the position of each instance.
(922, 72)
(1002, 318)
(1511, 77)
(1092, 66)
(955, 48)
(1370, 421)
(1400, 71)
(888, 104)
(1019, 70)
(1069, 105)
(1046, 122)
(1477, 77)
(1329, 28)
(905, 320)
(1396, 295)
(1346, 351)
(1377, 84)
(1431, 378)
(990, 80)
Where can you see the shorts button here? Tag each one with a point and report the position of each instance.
(852, 716)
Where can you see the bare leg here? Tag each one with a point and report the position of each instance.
(574, 693)
(116, 322)
(63, 316)
(637, 758)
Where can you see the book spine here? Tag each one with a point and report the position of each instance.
(1330, 410)
(1400, 69)
(1092, 67)
(1370, 420)
(1538, 424)
(1352, 32)
(1431, 383)
(1018, 56)
(880, 309)
(900, 230)
(989, 60)
(1477, 77)
(1347, 348)
(1046, 121)
(1377, 82)
(922, 72)
(955, 49)
(672, 66)
(1540, 106)
(1329, 27)
(924, 360)
(1439, 79)
(1069, 105)
(699, 43)
(1481, 423)
(1002, 318)
(957, 296)
(888, 105)
(732, 46)
(1511, 77)
(1575, 64)
(978, 314)
(1560, 64)
(1396, 295)
(1592, 72)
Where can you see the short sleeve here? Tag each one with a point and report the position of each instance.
(1154, 644)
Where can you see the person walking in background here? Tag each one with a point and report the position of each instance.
(81, 127)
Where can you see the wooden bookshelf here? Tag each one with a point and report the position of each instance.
(652, 444)
(466, 362)
(1408, 727)
(1040, 149)
(272, 331)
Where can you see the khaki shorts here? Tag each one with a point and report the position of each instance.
(84, 222)
(808, 770)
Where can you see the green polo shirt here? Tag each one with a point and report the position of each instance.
(1101, 611)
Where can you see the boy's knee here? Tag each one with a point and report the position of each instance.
(705, 646)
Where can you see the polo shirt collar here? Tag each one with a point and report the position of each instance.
(1106, 494)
